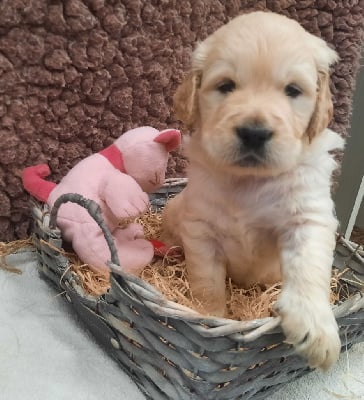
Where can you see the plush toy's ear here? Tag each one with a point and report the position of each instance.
(171, 138)
(323, 112)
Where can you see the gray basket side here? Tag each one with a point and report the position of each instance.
(175, 354)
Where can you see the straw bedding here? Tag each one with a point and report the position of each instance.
(169, 276)
(9, 248)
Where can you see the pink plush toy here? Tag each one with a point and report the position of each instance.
(117, 178)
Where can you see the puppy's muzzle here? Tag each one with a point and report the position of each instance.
(253, 137)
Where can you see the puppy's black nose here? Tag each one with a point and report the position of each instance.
(253, 136)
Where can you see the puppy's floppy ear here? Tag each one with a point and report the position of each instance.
(323, 112)
(185, 100)
(324, 56)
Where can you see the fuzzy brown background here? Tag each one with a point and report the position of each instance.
(75, 74)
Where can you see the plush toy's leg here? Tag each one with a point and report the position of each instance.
(90, 245)
(134, 254)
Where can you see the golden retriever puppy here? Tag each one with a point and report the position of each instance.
(257, 207)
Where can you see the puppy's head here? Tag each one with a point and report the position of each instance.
(258, 93)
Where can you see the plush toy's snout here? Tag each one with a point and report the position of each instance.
(145, 154)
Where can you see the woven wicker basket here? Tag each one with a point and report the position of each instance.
(171, 351)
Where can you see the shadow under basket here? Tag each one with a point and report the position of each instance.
(171, 351)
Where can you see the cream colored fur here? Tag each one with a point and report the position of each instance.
(275, 219)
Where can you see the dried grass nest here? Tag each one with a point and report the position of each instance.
(169, 276)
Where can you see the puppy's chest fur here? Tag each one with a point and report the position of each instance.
(242, 208)
(243, 219)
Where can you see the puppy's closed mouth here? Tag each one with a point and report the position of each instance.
(250, 160)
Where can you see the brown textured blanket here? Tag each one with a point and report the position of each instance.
(75, 74)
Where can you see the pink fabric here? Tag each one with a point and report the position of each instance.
(170, 137)
(120, 195)
(144, 158)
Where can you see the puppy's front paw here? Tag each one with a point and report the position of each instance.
(311, 327)
(208, 301)
(213, 308)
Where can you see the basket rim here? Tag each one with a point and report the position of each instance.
(208, 326)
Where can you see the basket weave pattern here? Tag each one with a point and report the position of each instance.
(174, 353)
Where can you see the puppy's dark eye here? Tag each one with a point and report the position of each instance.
(226, 87)
(292, 90)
